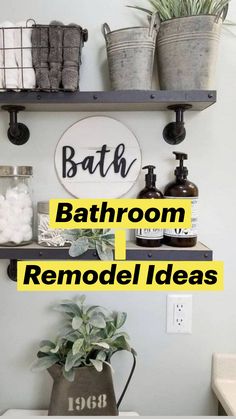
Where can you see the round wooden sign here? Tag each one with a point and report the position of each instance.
(98, 157)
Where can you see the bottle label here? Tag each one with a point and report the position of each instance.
(185, 232)
(149, 234)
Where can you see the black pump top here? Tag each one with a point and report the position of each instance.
(150, 176)
(181, 171)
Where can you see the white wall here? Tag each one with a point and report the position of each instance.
(173, 373)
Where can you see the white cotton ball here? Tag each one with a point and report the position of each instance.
(26, 228)
(11, 194)
(27, 202)
(3, 224)
(12, 219)
(15, 212)
(17, 237)
(7, 234)
(23, 188)
(1, 199)
(4, 207)
(2, 239)
(27, 215)
(28, 236)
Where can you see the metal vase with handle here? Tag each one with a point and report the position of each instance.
(130, 54)
(90, 394)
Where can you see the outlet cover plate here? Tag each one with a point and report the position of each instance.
(179, 314)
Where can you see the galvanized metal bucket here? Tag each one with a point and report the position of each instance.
(130, 53)
(90, 394)
(187, 50)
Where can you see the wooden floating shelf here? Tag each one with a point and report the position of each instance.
(128, 100)
(165, 253)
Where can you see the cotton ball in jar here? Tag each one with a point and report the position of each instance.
(3, 224)
(26, 228)
(7, 234)
(27, 202)
(17, 237)
(28, 236)
(4, 209)
(27, 215)
(11, 195)
(3, 239)
(15, 212)
(22, 188)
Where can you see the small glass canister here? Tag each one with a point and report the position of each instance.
(16, 205)
(48, 236)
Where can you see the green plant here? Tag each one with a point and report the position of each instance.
(89, 337)
(170, 9)
(82, 240)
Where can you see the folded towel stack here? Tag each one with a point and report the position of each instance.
(46, 57)
(57, 55)
(16, 56)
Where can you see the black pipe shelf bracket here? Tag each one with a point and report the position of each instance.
(17, 133)
(12, 270)
(174, 133)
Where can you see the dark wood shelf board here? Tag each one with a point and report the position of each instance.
(132, 100)
(35, 252)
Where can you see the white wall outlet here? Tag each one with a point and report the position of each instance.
(179, 314)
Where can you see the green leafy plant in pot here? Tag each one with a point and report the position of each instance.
(79, 360)
(188, 41)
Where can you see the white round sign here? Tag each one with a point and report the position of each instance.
(98, 157)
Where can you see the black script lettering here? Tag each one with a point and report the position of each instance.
(68, 159)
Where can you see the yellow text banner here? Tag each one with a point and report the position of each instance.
(120, 213)
(119, 276)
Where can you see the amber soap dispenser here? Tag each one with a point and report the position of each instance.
(149, 237)
(182, 188)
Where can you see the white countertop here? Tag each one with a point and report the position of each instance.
(224, 381)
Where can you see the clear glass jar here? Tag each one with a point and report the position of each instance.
(48, 236)
(16, 205)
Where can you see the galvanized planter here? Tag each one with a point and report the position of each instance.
(187, 51)
(90, 394)
(130, 53)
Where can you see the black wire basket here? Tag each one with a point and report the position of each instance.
(39, 57)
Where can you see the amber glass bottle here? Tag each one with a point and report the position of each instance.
(150, 237)
(182, 188)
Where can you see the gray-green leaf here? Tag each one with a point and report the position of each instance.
(44, 363)
(79, 247)
(77, 322)
(98, 365)
(77, 346)
(69, 375)
(98, 321)
(71, 360)
(103, 345)
(104, 251)
(120, 319)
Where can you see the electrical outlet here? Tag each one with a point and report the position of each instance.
(179, 314)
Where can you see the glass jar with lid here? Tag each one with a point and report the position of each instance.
(16, 205)
(48, 236)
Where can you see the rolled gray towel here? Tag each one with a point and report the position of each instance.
(40, 49)
(55, 54)
(72, 43)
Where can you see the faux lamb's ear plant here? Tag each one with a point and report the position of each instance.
(82, 240)
(88, 338)
(170, 9)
